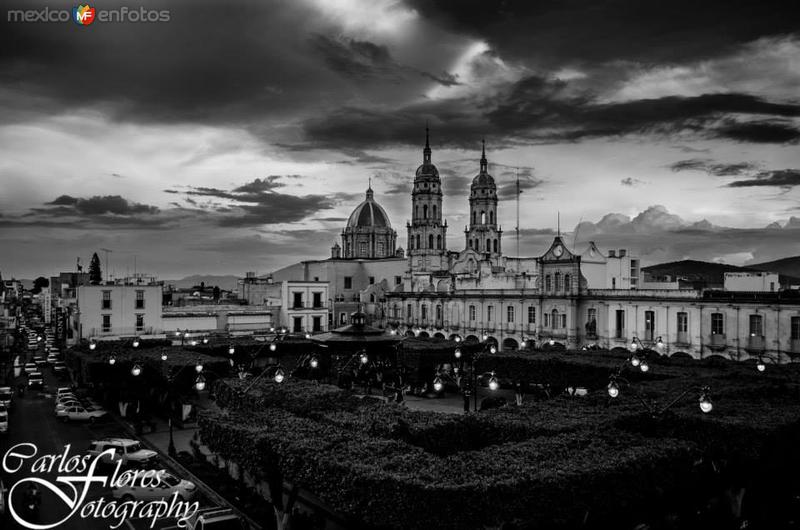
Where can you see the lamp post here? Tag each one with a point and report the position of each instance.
(472, 387)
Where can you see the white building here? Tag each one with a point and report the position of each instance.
(118, 310)
(299, 305)
(752, 281)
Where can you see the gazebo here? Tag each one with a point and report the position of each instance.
(357, 336)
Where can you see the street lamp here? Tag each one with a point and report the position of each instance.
(136, 342)
(457, 338)
(200, 383)
(205, 340)
(112, 360)
(363, 357)
(273, 347)
(760, 365)
(136, 370)
(493, 383)
(280, 375)
(198, 367)
(314, 363)
(231, 350)
(92, 344)
(493, 349)
(308, 335)
(457, 353)
(613, 388)
(705, 401)
(163, 355)
(438, 385)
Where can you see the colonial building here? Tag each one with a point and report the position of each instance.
(563, 297)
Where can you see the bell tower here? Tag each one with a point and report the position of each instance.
(483, 235)
(427, 234)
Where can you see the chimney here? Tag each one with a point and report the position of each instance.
(612, 253)
(622, 252)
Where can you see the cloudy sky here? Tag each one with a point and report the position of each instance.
(239, 135)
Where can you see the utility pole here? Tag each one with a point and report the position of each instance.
(518, 194)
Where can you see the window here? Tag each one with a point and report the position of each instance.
(531, 315)
(649, 324)
(772, 286)
(342, 318)
(495, 245)
(434, 211)
(591, 322)
(425, 211)
(317, 299)
(554, 320)
(430, 240)
(473, 217)
(620, 324)
(372, 280)
(372, 298)
(483, 218)
(139, 322)
(489, 313)
(471, 313)
(106, 323)
(439, 242)
(547, 284)
(795, 326)
(362, 249)
(398, 280)
(546, 320)
(438, 313)
(491, 217)
(298, 300)
(566, 282)
(717, 324)
(139, 299)
(409, 311)
(756, 326)
(417, 245)
(298, 324)
(683, 322)
(510, 314)
(424, 312)
(558, 281)
(470, 243)
(380, 248)
(410, 243)
(564, 320)
(316, 324)
(106, 300)
(348, 282)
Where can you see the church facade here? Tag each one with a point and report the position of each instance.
(479, 294)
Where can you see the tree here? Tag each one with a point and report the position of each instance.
(216, 293)
(95, 275)
(40, 283)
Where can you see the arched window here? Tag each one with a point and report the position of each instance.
(483, 217)
(424, 312)
(495, 246)
(434, 211)
(372, 298)
(439, 242)
(418, 246)
(416, 211)
(473, 217)
(547, 284)
(430, 241)
(566, 282)
(488, 245)
(491, 217)
(424, 211)
(477, 247)
(395, 311)
(362, 249)
(438, 312)
(554, 319)
(558, 281)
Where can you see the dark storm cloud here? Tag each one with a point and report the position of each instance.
(712, 168)
(64, 200)
(574, 31)
(630, 182)
(97, 205)
(359, 60)
(261, 185)
(444, 78)
(780, 178)
(763, 131)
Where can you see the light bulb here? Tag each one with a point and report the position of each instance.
(635, 361)
(644, 366)
(364, 358)
(493, 349)
(493, 384)
(279, 375)
(551, 342)
(437, 384)
(634, 345)
(457, 353)
(484, 336)
(135, 343)
(761, 366)
(660, 344)
(273, 347)
(523, 344)
(193, 343)
(205, 340)
(112, 360)
(457, 339)
(308, 335)
(200, 384)
(136, 370)
(92, 345)
(163, 356)
(231, 350)
(314, 362)
(613, 389)
(705, 405)
(198, 368)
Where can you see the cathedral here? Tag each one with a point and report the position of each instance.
(561, 298)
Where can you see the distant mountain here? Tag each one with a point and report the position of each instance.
(785, 266)
(228, 282)
(709, 274)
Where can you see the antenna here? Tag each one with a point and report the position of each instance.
(518, 193)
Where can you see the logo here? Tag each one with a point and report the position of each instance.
(83, 14)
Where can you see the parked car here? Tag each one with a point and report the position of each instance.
(30, 368)
(62, 406)
(64, 391)
(129, 451)
(168, 485)
(80, 413)
(215, 518)
(3, 419)
(35, 380)
(6, 396)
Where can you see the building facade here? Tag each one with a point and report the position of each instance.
(119, 310)
(575, 300)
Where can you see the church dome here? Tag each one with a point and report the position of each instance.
(369, 214)
(427, 170)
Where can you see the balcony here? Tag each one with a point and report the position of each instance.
(718, 342)
(755, 343)
(794, 345)
(511, 328)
